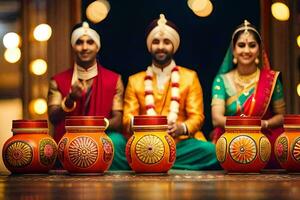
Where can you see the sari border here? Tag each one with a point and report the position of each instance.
(232, 99)
(266, 75)
(272, 90)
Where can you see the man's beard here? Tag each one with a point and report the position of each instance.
(164, 60)
(85, 63)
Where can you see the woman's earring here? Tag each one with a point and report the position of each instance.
(256, 61)
(234, 60)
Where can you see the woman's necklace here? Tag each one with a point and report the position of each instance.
(243, 81)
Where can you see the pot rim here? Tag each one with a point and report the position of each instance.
(32, 124)
(291, 119)
(241, 121)
(85, 121)
(147, 120)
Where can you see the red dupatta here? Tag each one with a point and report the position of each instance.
(258, 103)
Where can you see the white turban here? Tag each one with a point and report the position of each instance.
(85, 30)
(166, 31)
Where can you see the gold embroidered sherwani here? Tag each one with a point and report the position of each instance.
(190, 104)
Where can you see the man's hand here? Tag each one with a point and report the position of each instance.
(77, 89)
(175, 129)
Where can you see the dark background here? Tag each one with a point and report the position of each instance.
(204, 41)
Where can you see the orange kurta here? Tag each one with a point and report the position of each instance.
(190, 104)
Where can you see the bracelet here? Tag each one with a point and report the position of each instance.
(266, 124)
(185, 131)
(65, 108)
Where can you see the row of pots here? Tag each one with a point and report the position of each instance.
(85, 148)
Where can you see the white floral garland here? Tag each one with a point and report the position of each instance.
(175, 95)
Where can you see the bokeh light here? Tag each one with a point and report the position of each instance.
(38, 67)
(280, 11)
(12, 55)
(197, 5)
(11, 40)
(298, 40)
(38, 106)
(97, 11)
(206, 11)
(42, 32)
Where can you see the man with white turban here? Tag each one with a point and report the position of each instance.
(89, 89)
(165, 88)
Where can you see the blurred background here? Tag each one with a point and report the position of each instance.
(35, 44)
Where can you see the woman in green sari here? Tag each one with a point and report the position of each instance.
(243, 87)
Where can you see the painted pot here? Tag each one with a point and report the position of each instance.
(150, 148)
(85, 148)
(243, 148)
(287, 145)
(30, 149)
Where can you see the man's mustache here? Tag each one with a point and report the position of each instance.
(161, 51)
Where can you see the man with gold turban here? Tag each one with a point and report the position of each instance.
(165, 88)
(87, 88)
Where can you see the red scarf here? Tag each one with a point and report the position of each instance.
(101, 100)
(262, 95)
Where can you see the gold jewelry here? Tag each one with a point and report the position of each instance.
(265, 124)
(185, 131)
(256, 61)
(65, 108)
(243, 81)
(246, 29)
(234, 60)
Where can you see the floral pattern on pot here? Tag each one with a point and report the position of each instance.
(264, 149)
(48, 152)
(61, 149)
(282, 149)
(243, 149)
(83, 152)
(296, 150)
(150, 149)
(108, 150)
(18, 154)
(128, 149)
(221, 148)
(172, 147)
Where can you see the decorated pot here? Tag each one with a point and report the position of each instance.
(243, 148)
(85, 148)
(150, 148)
(30, 149)
(287, 145)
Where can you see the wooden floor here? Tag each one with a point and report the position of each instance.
(175, 185)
